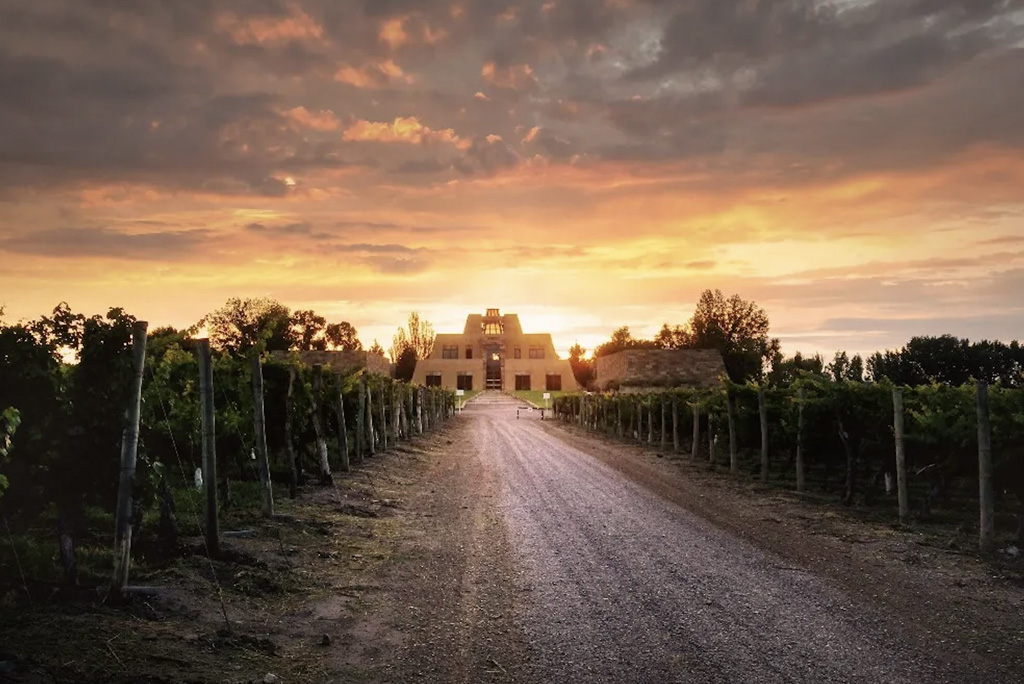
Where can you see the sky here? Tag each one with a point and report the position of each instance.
(853, 166)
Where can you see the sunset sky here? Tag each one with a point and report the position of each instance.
(854, 166)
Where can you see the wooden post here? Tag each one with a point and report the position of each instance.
(383, 417)
(985, 498)
(321, 442)
(343, 462)
(675, 423)
(901, 455)
(419, 410)
(711, 437)
(801, 396)
(212, 530)
(260, 425)
(695, 447)
(731, 418)
(129, 450)
(762, 411)
(370, 433)
(289, 438)
(360, 418)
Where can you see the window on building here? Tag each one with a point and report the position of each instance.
(517, 353)
(536, 352)
(433, 379)
(523, 383)
(553, 383)
(469, 352)
(492, 328)
(492, 313)
(464, 381)
(450, 352)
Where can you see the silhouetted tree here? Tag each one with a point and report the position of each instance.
(343, 337)
(582, 369)
(244, 324)
(736, 328)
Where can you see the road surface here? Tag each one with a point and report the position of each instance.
(564, 570)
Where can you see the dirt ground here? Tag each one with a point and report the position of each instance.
(400, 573)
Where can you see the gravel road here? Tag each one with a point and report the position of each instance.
(591, 577)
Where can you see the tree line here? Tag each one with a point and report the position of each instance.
(740, 331)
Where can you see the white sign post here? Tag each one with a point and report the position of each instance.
(547, 400)
(460, 393)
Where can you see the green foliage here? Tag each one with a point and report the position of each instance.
(10, 419)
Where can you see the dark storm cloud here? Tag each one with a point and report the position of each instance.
(193, 94)
(104, 242)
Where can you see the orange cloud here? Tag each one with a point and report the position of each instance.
(372, 75)
(269, 31)
(396, 32)
(393, 33)
(407, 130)
(514, 76)
(324, 120)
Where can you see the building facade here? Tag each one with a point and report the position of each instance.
(493, 352)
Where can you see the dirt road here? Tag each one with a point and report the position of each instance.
(541, 563)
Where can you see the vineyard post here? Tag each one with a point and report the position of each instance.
(731, 418)
(289, 442)
(209, 448)
(664, 425)
(762, 410)
(383, 416)
(985, 499)
(343, 462)
(360, 417)
(695, 447)
(129, 450)
(675, 423)
(369, 420)
(711, 437)
(901, 455)
(419, 410)
(260, 425)
(618, 413)
(801, 395)
(321, 443)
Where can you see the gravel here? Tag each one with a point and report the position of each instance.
(535, 561)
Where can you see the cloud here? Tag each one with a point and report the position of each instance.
(74, 243)
(407, 130)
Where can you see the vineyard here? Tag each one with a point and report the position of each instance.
(147, 438)
(933, 453)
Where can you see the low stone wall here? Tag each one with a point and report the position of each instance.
(646, 368)
(342, 361)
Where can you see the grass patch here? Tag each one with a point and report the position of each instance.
(537, 396)
(468, 395)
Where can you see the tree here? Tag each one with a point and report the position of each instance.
(377, 349)
(417, 335)
(342, 337)
(582, 368)
(843, 368)
(622, 339)
(308, 331)
(245, 324)
(738, 329)
(674, 337)
(784, 372)
(405, 365)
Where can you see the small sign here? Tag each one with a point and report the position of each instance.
(460, 393)
(547, 395)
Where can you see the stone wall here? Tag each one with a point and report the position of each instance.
(649, 368)
(342, 361)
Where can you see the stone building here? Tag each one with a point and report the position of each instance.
(493, 352)
(638, 369)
